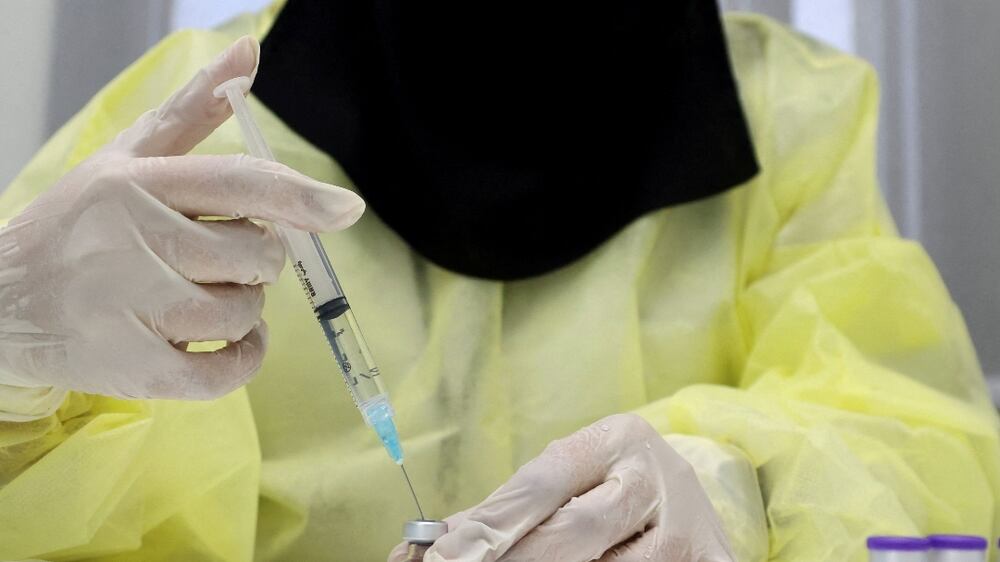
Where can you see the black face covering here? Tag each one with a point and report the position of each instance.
(507, 139)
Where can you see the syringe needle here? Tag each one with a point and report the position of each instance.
(414, 494)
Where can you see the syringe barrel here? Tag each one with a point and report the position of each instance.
(312, 267)
(361, 375)
(304, 249)
(322, 288)
(351, 352)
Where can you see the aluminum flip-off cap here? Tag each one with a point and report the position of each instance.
(421, 531)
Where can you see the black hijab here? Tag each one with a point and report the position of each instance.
(507, 139)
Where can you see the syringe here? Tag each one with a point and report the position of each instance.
(309, 259)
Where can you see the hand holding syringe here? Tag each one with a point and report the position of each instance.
(309, 259)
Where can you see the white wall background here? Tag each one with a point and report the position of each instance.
(199, 13)
(938, 62)
(26, 41)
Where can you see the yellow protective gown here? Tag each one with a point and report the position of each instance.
(809, 362)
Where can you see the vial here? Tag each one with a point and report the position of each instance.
(420, 534)
(958, 548)
(898, 549)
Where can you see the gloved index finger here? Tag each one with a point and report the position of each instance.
(237, 185)
(192, 112)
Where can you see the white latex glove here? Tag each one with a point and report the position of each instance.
(107, 276)
(612, 491)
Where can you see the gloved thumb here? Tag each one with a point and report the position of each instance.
(192, 112)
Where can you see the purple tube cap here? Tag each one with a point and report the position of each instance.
(909, 544)
(958, 542)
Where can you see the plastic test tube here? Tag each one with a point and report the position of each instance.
(898, 549)
(958, 548)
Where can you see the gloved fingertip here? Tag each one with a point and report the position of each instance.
(263, 333)
(240, 58)
(351, 215)
(398, 553)
(338, 208)
(254, 46)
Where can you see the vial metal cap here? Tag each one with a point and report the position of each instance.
(421, 531)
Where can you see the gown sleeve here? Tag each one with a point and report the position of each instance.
(95, 478)
(859, 402)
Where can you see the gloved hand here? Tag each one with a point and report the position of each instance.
(107, 276)
(612, 491)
